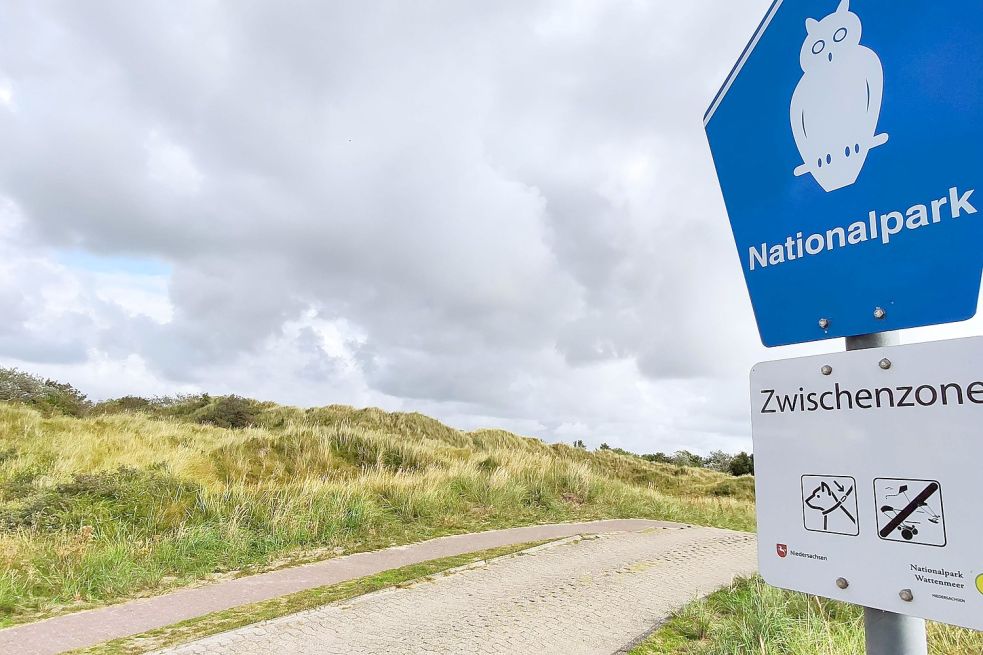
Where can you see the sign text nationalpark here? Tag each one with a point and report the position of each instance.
(883, 228)
(847, 159)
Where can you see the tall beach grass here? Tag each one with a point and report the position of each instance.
(110, 506)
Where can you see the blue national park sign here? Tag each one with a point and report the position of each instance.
(848, 142)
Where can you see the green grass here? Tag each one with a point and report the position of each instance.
(752, 618)
(118, 505)
(217, 622)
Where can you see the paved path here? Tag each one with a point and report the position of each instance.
(590, 596)
(91, 627)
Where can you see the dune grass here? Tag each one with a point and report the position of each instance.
(752, 618)
(111, 506)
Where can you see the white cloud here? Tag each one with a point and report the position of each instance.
(171, 165)
(499, 215)
(137, 295)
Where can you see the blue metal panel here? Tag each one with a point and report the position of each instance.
(928, 272)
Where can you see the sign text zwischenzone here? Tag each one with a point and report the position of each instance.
(840, 398)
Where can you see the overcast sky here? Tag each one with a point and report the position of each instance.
(496, 213)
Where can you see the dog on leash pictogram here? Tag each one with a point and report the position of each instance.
(829, 504)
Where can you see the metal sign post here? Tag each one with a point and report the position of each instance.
(894, 634)
(888, 633)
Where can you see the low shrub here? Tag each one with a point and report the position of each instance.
(123, 405)
(229, 412)
(49, 396)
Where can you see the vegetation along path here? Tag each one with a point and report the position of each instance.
(82, 629)
(605, 590)
(578, 596)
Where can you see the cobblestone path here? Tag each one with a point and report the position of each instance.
(582, 596)
(90, 627)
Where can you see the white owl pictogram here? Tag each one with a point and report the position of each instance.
(837, 103)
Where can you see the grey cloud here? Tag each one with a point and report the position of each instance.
(498, 197)
(29, 332)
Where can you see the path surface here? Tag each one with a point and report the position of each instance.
(590, 596)
(91, 627)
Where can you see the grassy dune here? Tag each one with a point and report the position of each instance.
(110, 506)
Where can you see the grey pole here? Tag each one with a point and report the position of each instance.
(888, 633)
(865, 341)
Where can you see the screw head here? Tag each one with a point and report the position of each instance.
(906, 595)
(824, 323)
(885, 363)
(842, 583)
(826, 370)
(880, 313)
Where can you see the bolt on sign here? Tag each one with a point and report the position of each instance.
(846, 143)
(867, 477)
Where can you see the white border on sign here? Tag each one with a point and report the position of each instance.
(748, 49)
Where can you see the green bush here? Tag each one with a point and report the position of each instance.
(49, 396)
(222, 411)
(123, 405)
(686, 458)
(741, 464)
(229, 412)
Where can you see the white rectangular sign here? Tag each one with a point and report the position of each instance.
(869, 477)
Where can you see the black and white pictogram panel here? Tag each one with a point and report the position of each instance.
(829, 504)
(910, 511)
